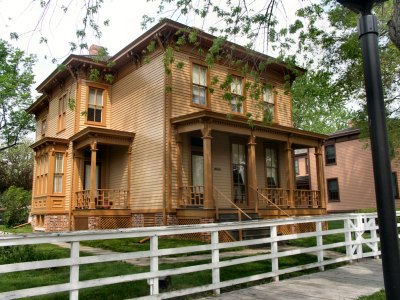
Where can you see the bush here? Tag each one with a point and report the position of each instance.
(16, 202)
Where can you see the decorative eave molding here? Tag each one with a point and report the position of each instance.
(49, 141)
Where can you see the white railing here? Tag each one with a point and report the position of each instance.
(359, 230)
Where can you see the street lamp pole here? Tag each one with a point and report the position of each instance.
(368, 35)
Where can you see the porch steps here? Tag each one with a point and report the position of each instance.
(247, 234)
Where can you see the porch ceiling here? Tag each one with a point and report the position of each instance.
(239, 125)
(103, 136)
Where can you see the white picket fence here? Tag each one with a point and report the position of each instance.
(359, 230)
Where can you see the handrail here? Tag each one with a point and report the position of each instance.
(269, 201)
(231, 202)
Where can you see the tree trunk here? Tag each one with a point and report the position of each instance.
(394, 24)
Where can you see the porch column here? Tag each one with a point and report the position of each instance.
(178, 140)
(93, 149)
(208, 181)
(290, 174)
(320, 175)
(252, 174)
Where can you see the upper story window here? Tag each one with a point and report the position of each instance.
(269, 104)
(43, 127)
(237, 94)
(58, 173)
(62, 102)
(330, 154)
(95, 111)
(199, 85)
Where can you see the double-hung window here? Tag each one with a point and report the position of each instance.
(43, 127)
(237, 94)
(58, 173)
(95, 105)
(61, 112)
(269, 104)
(199, 85)
(330, 155)
(333, 190)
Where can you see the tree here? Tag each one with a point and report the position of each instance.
(16, 78)
(16, 202)
(16, 166)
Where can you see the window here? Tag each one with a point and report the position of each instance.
(330, 154)
(43, 127)
(395, 186)
(199, 85)
(239, 173)
(269, 104)
(61, 112)
(307, 166)
(58, 172)
(95, 105)
(42, 168)
(271, 166)
(296, 167)
(333, 190)
(237, 94)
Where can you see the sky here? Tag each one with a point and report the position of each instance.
(23, 17)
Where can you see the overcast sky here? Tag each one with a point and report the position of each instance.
(125, 16)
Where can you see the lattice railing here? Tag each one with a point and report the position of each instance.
(307, 198)
(272, 197)
(192, 196)
(103, 199)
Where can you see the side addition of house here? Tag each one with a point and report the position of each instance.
(150, 148)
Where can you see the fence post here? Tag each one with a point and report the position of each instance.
(215, 260)
(154, 290)
(359, 233)
(74, 272)
(320, 243)
(348, 239)
(274, 251)
(374, 237)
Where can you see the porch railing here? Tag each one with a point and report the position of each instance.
(104, 199)
(192, 196)
(278, 197)
(307, 199)
(271, 197)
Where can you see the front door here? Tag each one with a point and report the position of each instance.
(239, 173)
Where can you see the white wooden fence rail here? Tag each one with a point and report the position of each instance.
(355, 226)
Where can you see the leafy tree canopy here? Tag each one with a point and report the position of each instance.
(16, 78)
(15, 200)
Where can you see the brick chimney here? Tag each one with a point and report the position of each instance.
(94, 49)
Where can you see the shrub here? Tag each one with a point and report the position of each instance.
(15, 200)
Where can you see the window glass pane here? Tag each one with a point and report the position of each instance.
(203, 76)
(97, 117)
(330, 155)
(202, 95)
(197, 170)
(90, 114)
(395, 188)
(195, 74)
(235, 153)
(195, 94)
(92, 96)
(57, 183)
(99, 98)
(268, 96)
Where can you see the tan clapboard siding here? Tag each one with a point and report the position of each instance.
(181, 93)
(284, 107)
(68, 176)
(69, 113)
(221, 163)
(117, 168)
(137, 106)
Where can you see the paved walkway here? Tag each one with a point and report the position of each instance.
(347, 282)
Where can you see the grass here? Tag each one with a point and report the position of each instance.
(23, 229)
(376, 296)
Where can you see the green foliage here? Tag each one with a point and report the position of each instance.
(15, 200)
(94, 74)
(168, 59)
(16, 78)
(16, 166)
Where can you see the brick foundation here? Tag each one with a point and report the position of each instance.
(206, 236)
(54, 223)
(93, 223)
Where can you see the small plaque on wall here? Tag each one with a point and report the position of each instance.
(217, 169)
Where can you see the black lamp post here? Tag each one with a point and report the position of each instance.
(368, 35)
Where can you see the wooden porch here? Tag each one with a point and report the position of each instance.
(103, 199)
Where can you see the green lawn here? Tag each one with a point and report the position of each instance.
(377, 296)
(23, 229)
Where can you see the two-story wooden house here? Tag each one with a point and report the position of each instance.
(156, 148)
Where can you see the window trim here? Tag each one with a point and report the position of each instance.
(62, 109)
(239, 141)
(327, 190)
(105, 102)
(244, 108)
(325, 156)
(43, 132)
(58, 173)
(273, 95)
(276, 149)
(208, 102)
